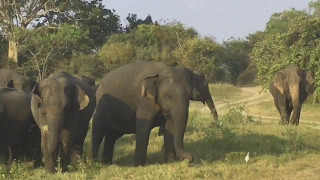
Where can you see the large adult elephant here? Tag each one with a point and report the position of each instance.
(18, 130)
(62, 106)
(12, 79)
(290, 87)
(200, 93)
(139, 96)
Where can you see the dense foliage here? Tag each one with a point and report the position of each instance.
(298, 43)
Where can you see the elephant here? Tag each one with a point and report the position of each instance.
(62, 106)
(137, 97)
(19, 135)
(201, 93)
(12, 79)
(290, 87)
(90, 81)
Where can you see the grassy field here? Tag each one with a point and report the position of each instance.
(251, 125)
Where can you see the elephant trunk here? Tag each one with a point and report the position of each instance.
(54, 132)
(211, 106)
(180, 118)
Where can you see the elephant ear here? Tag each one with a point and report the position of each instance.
(82, 99)
(199, 85)
(33, 84)
(36, 98)
(150, 88)
(310, 86)
(10, 84)
(278, 82)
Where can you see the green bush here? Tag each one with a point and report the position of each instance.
(235, 118)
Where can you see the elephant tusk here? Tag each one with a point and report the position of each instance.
(45, 129)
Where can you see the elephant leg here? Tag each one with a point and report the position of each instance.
(281, 106)
(161, 131)
(66, 149)
(109, 142)
(289, 111)
(50, 158)
(82, 130)
(296, 114)
(96, 139)
(99, 118)
(142, 140)
(169, 151)
(4, 154)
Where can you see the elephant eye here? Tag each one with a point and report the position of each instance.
(169, 96)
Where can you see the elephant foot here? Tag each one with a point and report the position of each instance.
(50, 169)
(106, 160)
(185, 155)
(282, 122)
(171, 157)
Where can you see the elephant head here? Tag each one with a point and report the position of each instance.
(54, 105)
(22, 83)
(200, 92)
(170, 92)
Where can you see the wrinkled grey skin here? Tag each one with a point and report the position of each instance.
(200, 93)
(12, 79)
(290, 87)
(18, 130)
(62, 106)
(137, 97)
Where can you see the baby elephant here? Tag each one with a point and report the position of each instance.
(18, 130)
(62, 106)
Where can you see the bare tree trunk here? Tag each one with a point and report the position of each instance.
(13, 51)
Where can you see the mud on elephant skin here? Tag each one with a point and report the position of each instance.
(12, 79)
(290, 87)
(62, 106)
(137, 97)
(18, 130)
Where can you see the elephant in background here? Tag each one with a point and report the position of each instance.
(62, 106)
(12, 79)
(290, 87)
(139, 96)
(19, 134)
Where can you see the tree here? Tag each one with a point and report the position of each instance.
(299, 45)
(236, 57)
(279, 22)
(134, 22)
(46, 46)
(3, 50)
(204, 55)
(89, 15)
(94, 17)
(21, 14)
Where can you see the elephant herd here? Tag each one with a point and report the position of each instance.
(46, 120)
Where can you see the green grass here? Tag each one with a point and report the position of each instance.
(226, 92)
(276, 151)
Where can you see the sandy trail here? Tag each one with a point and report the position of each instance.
(257, 96)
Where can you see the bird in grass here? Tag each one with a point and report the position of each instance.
(247, 158)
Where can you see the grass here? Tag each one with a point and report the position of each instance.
(276, 152)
